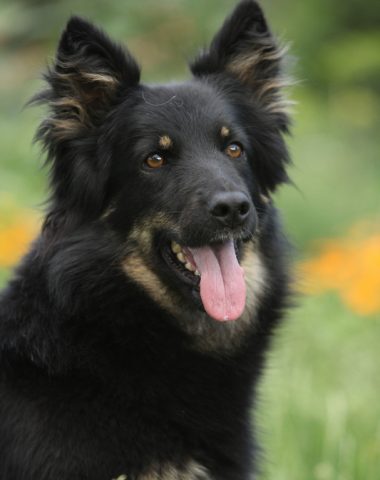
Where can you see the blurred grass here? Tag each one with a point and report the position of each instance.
(319, 412)
(320, 404)
(336, 166)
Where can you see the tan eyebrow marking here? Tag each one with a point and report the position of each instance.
(165, 142)
(225, 131)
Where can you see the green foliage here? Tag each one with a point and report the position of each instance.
(319, 399)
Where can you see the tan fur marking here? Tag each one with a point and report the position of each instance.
(64, 128)
(225, 131)
(243, 66)
(165, 142)
(191, 471)
(73, 105)
(136, 265)
(76, 75)
(71, 114)
(206, 334)
(108, 212)
(100, 77)
(274, 84)
(138, 270)
(281, 105)
(143, 232)
(268, 90)
(264, 198)
(245, 63)
(255, 278)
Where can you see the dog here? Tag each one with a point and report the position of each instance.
(134, 332)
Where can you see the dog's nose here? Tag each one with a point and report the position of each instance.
(230, 208)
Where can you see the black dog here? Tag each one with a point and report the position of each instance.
(133, 333)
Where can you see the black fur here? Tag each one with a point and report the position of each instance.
(99, 377)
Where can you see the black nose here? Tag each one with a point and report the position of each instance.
(230, 208)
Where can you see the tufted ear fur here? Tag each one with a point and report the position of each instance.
(245, 52)
(245, 48)
(88, 74)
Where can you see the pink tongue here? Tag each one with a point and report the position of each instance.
(222, 281)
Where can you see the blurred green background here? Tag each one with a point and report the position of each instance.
(320, 399)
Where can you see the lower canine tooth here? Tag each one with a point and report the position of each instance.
(181, 257)
(197, 273)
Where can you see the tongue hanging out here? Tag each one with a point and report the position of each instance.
(222, 281)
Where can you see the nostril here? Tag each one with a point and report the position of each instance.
(244, 208)
(221, 210)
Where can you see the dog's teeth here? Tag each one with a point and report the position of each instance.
(181, 257)
(190, 266)
(176, 247)
(197, 273)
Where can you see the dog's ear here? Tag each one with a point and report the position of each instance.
(246, 52)
(89, 74)
(245, 48)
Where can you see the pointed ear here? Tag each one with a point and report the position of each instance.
(88, 72)
(88, 77)
(245, 48)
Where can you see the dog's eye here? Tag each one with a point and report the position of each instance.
(234, 150)
(155, 161)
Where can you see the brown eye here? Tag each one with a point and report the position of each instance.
(234, 150)
(155, 161)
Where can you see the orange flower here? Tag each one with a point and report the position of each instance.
(15, 238)
(350, 267)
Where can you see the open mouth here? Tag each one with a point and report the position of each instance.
(181, 260)
(215, 271)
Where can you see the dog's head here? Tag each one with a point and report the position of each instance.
(182, 173)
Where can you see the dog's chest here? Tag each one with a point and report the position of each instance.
(191, 470)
